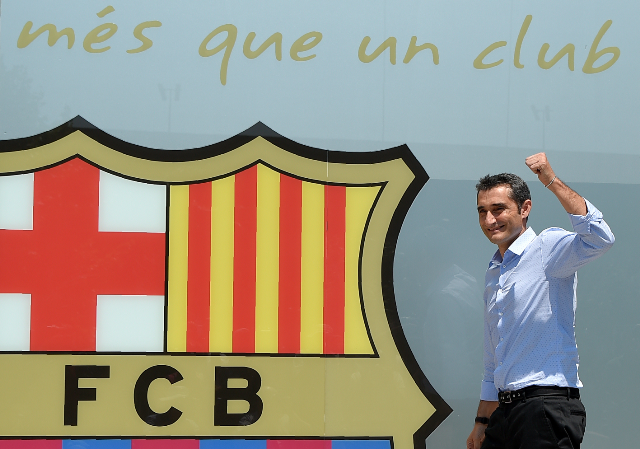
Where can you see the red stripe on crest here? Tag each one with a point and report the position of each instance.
(30, 444)
(198, 291)
(164, 444)
(290, 265)
(298, 444)
(244, 260)
(334, 297)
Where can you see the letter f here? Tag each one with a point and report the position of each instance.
(73, 394)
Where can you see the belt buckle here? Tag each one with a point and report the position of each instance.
(506, 397)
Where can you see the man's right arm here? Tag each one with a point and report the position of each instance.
(488, 392)
(476, 437)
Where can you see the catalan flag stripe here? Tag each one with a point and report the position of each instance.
(267, 255)
(334, 229)
(261, 262)
(312, 269)
(222, 246)
(290, 258)
(178, 268)
(244, 261)
(359, 202)
(199, 271)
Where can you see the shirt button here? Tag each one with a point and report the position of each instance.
(502, 339)
(504, 266)
(500, 313)
(500, 363)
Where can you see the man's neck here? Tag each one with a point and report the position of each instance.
(504, 247)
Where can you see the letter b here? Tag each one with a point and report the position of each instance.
(224, 394)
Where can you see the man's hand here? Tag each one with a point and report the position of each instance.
(570, 200)
(476, 437)
(539, 164)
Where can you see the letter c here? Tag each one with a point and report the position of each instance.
(479, 63)
(141, 400)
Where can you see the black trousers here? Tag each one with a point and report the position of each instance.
(538, 423)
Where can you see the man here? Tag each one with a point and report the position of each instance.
(529, 396)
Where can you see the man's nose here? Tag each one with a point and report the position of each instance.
(489, 218)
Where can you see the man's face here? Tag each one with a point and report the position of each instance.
(499, 217)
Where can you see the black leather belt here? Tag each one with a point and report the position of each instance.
(507, 397)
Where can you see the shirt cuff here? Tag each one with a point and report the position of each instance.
(488, 391)
(581, 223)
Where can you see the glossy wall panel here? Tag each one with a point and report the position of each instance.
(459, 89)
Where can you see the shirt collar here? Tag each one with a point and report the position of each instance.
(517, 247)
(522, 242)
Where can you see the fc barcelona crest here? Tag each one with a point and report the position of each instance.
(239, 294)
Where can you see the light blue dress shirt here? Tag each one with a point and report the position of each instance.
(530, 303)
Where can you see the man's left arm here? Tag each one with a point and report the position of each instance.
(592, 236)
(570, 200)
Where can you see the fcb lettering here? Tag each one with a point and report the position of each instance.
(73, 394)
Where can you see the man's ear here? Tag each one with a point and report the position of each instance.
(526, 208)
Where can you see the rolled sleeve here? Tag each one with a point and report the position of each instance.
(565, 252)
(488, 391)
(582, 223)
(593, 224)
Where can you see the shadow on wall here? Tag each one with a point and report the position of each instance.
(439, 272)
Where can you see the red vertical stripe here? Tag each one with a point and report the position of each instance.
(244, 260)
(69, 191)
(335, 201)
(164, 444)
(199, 267)
(290, 253)
(30, 444)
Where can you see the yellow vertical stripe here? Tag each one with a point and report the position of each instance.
(178, 268)
(267, 260)
(359, 202)
(221, 287)
(312, 269)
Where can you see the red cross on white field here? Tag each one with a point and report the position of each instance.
(65, 262)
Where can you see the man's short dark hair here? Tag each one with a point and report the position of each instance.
(518, 189)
